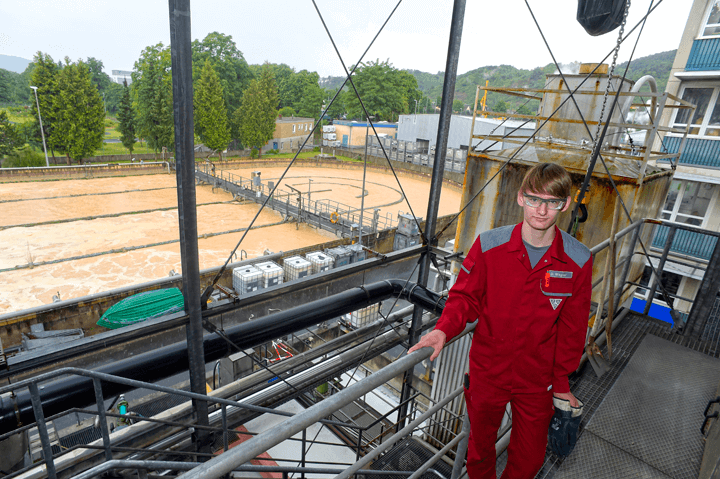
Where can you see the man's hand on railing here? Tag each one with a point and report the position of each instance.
(434, 339)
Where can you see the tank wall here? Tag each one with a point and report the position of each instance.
(497, 206)
(590, 105)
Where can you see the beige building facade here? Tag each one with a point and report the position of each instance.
(290, 133)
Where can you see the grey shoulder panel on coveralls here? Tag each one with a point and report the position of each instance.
(577, 251)
(495, 237)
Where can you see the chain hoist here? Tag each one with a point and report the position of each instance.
(610, 72)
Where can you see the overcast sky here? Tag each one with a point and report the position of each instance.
(290, 31)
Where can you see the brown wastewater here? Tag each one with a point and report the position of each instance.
(60, 221)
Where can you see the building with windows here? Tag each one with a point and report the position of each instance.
(352, 133)
(694, 196)
(423, 130)
(120, 76)
(290, 133)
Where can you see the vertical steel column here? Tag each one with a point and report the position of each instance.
(187, 214)
(462, 449)
(42, 430)
(451, 66)
(654, 280)
(626, 266)
(97, 385)
(705, 297)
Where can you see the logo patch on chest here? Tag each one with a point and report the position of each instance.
(555, 302)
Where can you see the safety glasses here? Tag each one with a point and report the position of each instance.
(535, 202)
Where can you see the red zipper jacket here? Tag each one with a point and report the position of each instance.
(532, 322)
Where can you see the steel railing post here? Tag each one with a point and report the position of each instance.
(462, 449)
(225, 427)
(42, 430)
(626, 266)
(659, 269)
(302, 453)
(97, 386)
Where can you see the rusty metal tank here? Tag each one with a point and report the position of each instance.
(564, 140)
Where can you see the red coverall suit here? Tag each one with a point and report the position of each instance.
(530, 335)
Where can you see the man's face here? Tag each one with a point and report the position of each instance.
(540, 217)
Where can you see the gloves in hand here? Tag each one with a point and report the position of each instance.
(564, 425)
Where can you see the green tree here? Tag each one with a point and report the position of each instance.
(384, 89)
(257, 113)
(500, 106)
(525, 110)
(230, 66)
(113, 95)
(44, 76)
(283, 79)
(311, 102)
(337, 109)
(211, 121)
(457, 106)
(152, 86)
(80, 125)
(286, 111)
(9, 136)
(98, 77)
(126, 117)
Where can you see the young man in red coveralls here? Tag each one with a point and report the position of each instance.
(529, 287)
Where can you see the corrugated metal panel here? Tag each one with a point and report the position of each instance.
(697, 151)
(686, 242)
(704, 55)
(450, 368)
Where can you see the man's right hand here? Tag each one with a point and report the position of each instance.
(434, 339)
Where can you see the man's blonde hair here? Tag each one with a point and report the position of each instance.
(548, 179)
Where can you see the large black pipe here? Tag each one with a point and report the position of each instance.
(152, 366)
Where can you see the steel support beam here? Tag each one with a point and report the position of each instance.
(181, 54)
(451, 65)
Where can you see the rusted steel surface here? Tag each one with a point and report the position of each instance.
(497, 204)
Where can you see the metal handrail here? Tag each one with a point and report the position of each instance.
(226, 462)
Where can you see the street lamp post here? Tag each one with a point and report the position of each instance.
(362, 193)
(47, 162)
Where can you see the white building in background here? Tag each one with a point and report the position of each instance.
(118, 76)
(694, 196)
(423, 129)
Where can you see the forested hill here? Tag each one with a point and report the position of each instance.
(657, 65)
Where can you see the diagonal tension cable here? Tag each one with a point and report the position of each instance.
(532, 136)
(599, 141)
(209, 289)
(367, 115)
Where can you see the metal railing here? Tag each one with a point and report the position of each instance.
(416, 153)
(327, 214)
(371, 445)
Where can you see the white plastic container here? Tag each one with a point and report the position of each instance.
(247, 279)
(341, 255)
(272, 273)
(296, 267)
(365, 316)
(357, 252)
(320, 261)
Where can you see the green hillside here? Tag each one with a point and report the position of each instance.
(657, 65)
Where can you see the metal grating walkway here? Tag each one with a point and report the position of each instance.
(592, 390)
(648, 424)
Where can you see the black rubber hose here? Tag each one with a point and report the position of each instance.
(74, 391)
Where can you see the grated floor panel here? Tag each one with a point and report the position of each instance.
(652, 413)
